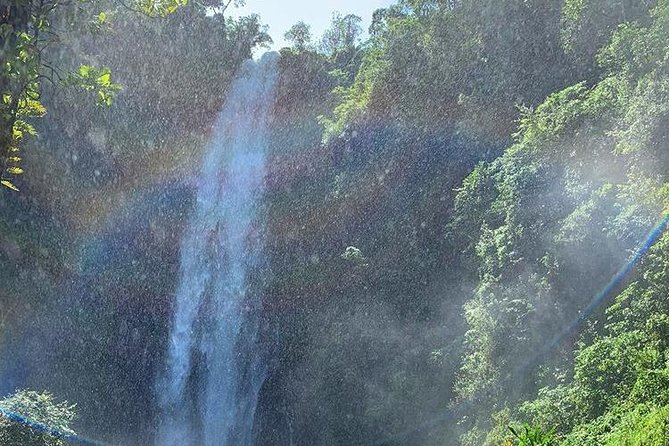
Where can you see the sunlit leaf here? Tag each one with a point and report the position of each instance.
(31, 107)
(104, 79)
(9, 184)
(84, 70)
(15, 170)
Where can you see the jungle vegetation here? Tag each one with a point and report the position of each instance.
(447, 195)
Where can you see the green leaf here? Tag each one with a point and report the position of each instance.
(9, 184)
(513, 431)
(104, 79)
(25, 37)
(15, 170)
(84, 70)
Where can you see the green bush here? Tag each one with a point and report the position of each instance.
(641, 428)
(36, 407)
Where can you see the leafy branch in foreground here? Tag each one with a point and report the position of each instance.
(97, 80)
(25, 33)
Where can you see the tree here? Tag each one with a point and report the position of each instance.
(343, 34)
(299, 35)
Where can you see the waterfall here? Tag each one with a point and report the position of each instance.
(214, 369)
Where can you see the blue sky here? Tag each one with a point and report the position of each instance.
(281, 14)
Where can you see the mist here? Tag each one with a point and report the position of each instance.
(446, 229)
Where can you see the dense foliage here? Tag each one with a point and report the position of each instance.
(523, 239)
(37, 408)
(572, 198)
(65, 238)
(447, 203)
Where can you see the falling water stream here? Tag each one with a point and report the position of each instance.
(214, 369)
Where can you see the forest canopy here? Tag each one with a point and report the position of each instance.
(465, 216)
